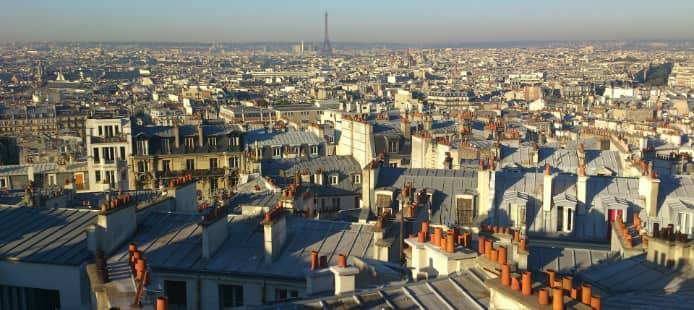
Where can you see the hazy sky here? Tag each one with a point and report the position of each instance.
(405, 21)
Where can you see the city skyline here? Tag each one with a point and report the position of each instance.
(357, 21)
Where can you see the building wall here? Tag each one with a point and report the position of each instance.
(204, 289)
(70, 281)
(357, 140)
(119, 167)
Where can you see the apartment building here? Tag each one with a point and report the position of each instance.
(109, 147)
(211, 154)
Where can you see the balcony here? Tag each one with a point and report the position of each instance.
(112, 139)
(196, 173)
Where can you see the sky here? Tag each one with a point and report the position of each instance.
(383, 21)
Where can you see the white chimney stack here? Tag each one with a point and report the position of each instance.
(345, 276)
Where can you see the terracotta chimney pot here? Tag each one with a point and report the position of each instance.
(543, 296)
(342, 261)
(586, 293)
(527, 289)
(557, 299)
(162, 303)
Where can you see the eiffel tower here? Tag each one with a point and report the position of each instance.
(327, 48)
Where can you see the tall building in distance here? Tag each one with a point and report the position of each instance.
(327, 48)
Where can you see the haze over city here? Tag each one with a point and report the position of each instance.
(416, 22)
(468, 155)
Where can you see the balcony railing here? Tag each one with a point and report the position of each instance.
(196, 173)
(111, 139)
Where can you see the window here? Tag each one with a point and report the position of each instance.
(3, 182)
(51, 179)
(393, 165)
(166, 165)
(141, 147)
(234, 141)
(518, 213)
(96, 155)
(101, 131)
(314, 150)
(29, 298)
(97, 176)
(176, 292)
(166, 145)
(213, 185)
(213, 163)
(190, 142)
(234, 162)
(276, 151)
(122, 153)
(356, 179)
(109, 154)
(212, 141)
(110, 177)
(393, 146)
(383, 201)
(465, 211)
(284, 294)
(230, 296)
(141, 166)
(334, 179)
(560, 220)
(190, 164)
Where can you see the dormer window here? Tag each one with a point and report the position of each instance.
(190, 142)
(384, 200)
(166, 146)
(212, 141)
(314, 150)
(142, 147)
(356, 179)
(234, 141)
(334, 179)
(393, 146)
(466, 210)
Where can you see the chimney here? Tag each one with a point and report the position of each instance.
(547, 189)
(535, 154)
(318, 177)
(200, 136)
(275, 233)
(586, 291)
(526, 287)
(582, 184)
(557, 299)
(162, 303)
(369, 176)
(214, 233)
(113, 227)
(177, 135)
(345, 276)
(649, 185)
(483, 190)
(581, 153)
(405, 127)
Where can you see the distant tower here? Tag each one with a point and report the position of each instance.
(327, 49)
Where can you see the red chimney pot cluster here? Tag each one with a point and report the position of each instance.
(138, 263)
(180, 180)
(274, 213)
